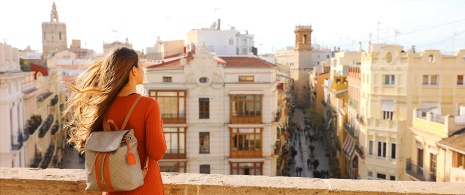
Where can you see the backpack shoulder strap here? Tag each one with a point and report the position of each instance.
(130, 111)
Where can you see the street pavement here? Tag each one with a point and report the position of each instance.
(70, 159)
(302, 156)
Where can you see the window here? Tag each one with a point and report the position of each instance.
(393, 150)
(381, 149)
(387, 107)
(204, 142)
(304, 41)
(231, 41)
(430, 79)
(388, 57)
(246, 78)
(203, 80)
(172, 105)
(175, 138)
(167, 79)
(392, 177)
(59, 34)
(460, 80)
(246, 108)
(458, 160)
(389, 79)
(420, 157)
(370, 147)
(166, 166)
(246, 142)
(370, 175)
(204, 108)
(205, 169)
(381, 176)
(432, 162)
(431, 58)
(246, 168)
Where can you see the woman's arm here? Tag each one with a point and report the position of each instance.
(155, 140)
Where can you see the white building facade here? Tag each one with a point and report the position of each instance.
(221, 42)
(218, 113)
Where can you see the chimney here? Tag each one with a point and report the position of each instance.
(359, 46)
(218, 24)
(369, 46)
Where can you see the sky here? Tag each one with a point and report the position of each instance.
(427, 24)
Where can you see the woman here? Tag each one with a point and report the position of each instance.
(106, 90)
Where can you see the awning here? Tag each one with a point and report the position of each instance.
(349, 147)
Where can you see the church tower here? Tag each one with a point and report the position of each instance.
(303, 47)
(53, 34)
(302, 64)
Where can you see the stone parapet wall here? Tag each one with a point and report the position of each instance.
(72, 181)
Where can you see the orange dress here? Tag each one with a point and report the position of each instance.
(148, 129)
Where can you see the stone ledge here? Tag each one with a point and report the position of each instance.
(72, 181)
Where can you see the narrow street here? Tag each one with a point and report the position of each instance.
(71, 159)
(304, 154)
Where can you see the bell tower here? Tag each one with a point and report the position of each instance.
(302, 64)
(303, 38)
(53, 34)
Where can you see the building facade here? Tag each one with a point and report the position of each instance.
(219, 113)
(221, 42)
(435, 147)
(393, 83)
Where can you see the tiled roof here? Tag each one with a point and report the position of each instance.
(168, 64)
(456, 141)
(241, 61)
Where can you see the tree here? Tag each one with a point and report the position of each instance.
(315, 118)
(316, 163)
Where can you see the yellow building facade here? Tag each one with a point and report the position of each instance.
(393, 83)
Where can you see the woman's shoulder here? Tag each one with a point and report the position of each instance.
(148, 101)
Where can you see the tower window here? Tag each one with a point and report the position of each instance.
(305, 39)
(60, 35)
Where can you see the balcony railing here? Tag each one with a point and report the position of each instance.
(18, 142)
(246, 119)
(350, 130)
(55, 128)
(33, 123)
(175, 154)
(359, 151)
(46, 126)
(246, 153)
(54, 101)
(173, 118)
(352, 103)
(418, 172)
(43, 96)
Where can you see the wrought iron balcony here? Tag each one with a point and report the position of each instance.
(419, 172)
(350, 130)
(46, 126)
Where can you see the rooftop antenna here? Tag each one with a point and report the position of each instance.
(377, 28)
(214, 14)
(397, 32)
(453, 41)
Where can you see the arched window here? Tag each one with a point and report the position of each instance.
(305, 39)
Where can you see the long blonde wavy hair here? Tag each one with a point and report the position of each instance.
(94, 91)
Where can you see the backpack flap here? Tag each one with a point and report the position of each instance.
(105, 141)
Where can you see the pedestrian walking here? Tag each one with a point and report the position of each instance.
(300, 171)
(308, 163)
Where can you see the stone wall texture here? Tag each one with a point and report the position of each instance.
(72, 181)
